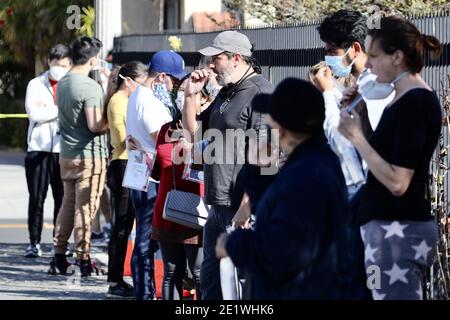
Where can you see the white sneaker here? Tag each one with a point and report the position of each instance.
(69, 253)
(33, 251)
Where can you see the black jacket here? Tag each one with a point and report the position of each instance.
(299, 246)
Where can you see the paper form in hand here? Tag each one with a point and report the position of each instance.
(138, 170)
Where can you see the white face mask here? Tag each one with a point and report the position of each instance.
(212, 89)
(338, 85)
(180, 100)
(57, 72)
(374, 90)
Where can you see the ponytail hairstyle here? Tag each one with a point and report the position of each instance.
(432, 45)
(251, 61)
(397, 33)
(132, 69)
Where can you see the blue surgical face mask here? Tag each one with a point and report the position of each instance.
(337, 67)
(162, 94)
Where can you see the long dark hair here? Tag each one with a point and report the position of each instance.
(397, 33)
(132, 69)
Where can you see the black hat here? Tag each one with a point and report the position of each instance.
(298, 106)
(260, 103)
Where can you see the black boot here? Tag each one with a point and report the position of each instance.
(85, 267)
(60, 265)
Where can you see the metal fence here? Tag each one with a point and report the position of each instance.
(285, 51)
(290, 51)
(281, 51)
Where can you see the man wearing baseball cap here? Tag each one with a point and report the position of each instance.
(149, 108)
(231, 63)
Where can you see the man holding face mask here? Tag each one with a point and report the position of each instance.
(42, 159)
(233, 66)
(343, 35)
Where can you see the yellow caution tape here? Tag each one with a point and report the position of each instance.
(12, 115)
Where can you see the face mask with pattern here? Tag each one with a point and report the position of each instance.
(162, 94)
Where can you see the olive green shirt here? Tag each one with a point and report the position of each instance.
(75, 93)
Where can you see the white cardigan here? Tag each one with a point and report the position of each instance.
(43, 130)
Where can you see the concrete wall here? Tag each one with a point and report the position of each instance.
(107, 22)
(144, 16)
(191, 6)
(140, 16)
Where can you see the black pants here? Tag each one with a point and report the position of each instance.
(174, 257)
(42, 169)
(121, 220)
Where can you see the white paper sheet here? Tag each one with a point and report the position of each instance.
(138, 170)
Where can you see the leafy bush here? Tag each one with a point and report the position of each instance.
(13, 132)
(292, 11)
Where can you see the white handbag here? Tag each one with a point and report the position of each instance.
(185, 208)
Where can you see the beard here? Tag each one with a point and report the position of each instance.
(224, 77)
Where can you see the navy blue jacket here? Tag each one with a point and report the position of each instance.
(299, 246)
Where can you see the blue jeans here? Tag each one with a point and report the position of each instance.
(142, 261)
(219, 218)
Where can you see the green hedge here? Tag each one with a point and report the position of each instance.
(13, 132)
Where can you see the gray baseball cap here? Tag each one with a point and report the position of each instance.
(231, 41)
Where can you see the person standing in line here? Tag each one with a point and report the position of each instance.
(150, 107)
(83, 154)
(298, 246)
(231, 111)
(397, 226)
(42, 159)
(124, 80)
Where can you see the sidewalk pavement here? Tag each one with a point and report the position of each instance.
(24, 278)
(13, 188)
(27, 278)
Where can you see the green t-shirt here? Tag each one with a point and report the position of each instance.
(75, 93)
